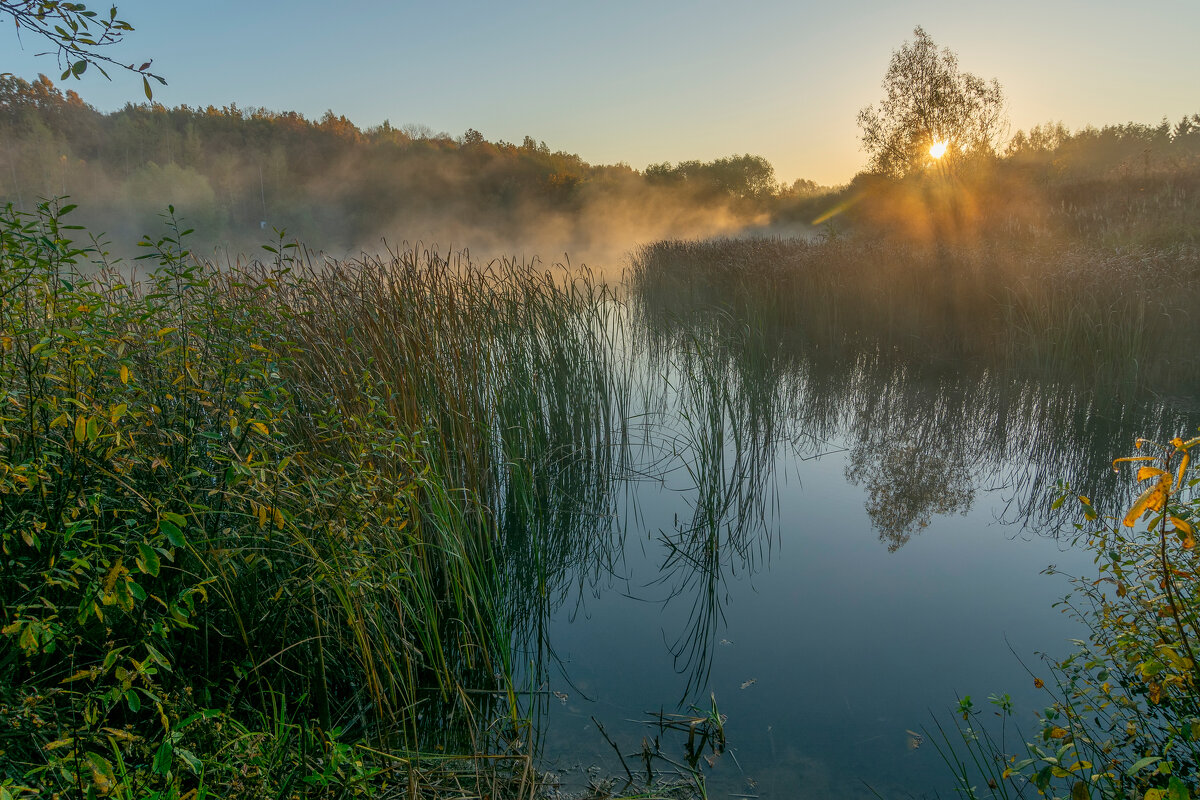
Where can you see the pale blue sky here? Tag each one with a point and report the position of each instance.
(645, 81)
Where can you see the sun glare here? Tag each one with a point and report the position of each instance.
(938, 149)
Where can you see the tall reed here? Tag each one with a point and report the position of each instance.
(244, 501)
(1119, 318)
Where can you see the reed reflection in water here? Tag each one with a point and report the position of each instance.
(716, 413)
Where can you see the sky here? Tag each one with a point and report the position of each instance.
(644, 82)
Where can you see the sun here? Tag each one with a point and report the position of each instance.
(938, 149)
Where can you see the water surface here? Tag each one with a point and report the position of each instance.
(832, 551)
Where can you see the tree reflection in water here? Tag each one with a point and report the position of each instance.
(907, 484)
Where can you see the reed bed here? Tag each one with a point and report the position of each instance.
(255, 518)
(1116, 318)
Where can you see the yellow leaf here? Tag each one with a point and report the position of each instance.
(80, 428)
(102, 773)
(80, 675)
(261, 428)
(1152, 499)
(1148, 472)
(1182, 525)
(110, 581)
(1183, 465)
(1130, 458)
(1058, 733)
(124, 374)
(124, 736)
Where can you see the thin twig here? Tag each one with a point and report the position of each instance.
(604, 733)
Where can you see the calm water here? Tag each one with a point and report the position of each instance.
(832, 550)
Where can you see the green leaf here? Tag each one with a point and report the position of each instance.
(162, 758)
(1177, 790)
(1079, 791)
(133, 700)
(190, 759)
(173, 534)
(78, 67)
(157, 657)
(178, 519)
(146, 86)
(1142, 763)
(149, 562)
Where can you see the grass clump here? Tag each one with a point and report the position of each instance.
(249, 518)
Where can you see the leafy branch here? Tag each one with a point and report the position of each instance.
(78, 36)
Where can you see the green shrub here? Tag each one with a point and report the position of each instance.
(214, 573)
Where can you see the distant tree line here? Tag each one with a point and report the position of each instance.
(235, 171)
(747, 177)
(1128, 149)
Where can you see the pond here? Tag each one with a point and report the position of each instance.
(827, 551)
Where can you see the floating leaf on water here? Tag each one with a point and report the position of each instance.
(914, 739)
(749, 683)
(562, 697)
